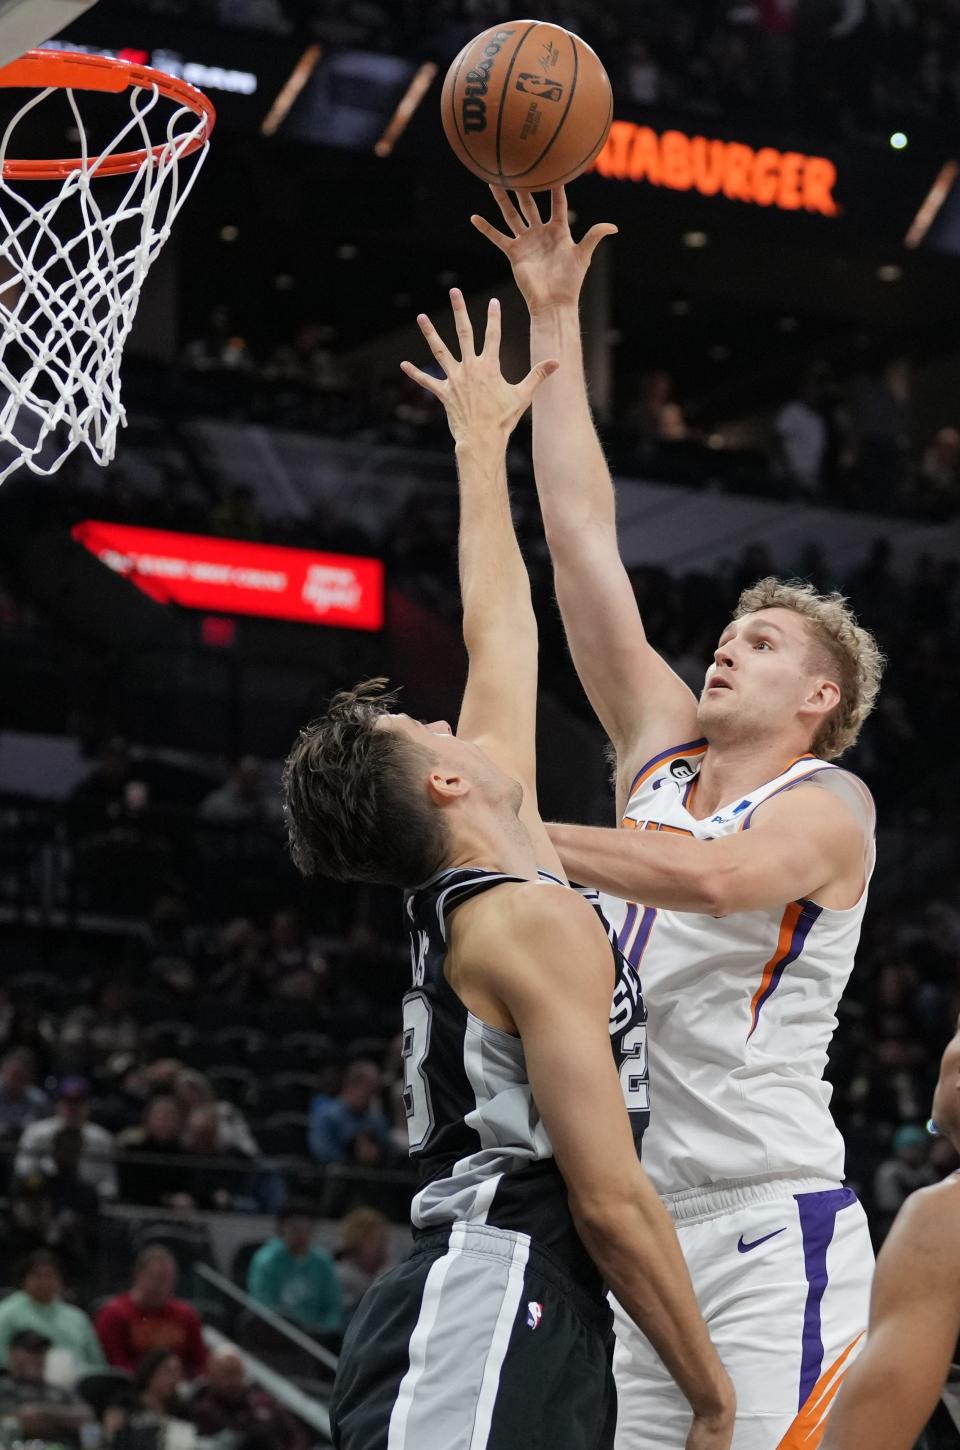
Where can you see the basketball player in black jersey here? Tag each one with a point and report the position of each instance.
(495, 1333)
(912, 1338)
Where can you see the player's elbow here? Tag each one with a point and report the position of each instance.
(722, 882)
(713, 892)
(606, 1214)
(577, 536)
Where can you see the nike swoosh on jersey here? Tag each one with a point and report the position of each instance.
(743, 1248)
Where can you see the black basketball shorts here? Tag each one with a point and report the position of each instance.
(478, 1341)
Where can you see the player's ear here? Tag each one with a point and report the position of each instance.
(445, 786)
(823, 696)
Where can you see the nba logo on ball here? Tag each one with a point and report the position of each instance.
(539, 86)
(534, 1314)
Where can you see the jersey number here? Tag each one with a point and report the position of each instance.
(634, 1077)
(417, 1019)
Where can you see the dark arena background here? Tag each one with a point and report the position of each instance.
(774, 362)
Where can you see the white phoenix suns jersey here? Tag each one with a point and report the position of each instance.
(741, 1007)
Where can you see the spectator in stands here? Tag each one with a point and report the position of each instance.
(142, 1178)
(292, 955)
(656, 414)
(878, 410)
(21, 1101)
(362, 1255)
(70, 1193)
(246, 798)
(236, 964)
(94, 1031)
(907, 1169)
(56, 1211)
(641, 74)
(228, 1402)
(157, 1389)
(73, 1110)
(801, 434)
(193, 1090)
(148, 1317)
(38, 1305)
(28, 1224)
(939, 475)
(33, 1222)
(38, 1410)
(30, 1025)
(350, 1127)
(293, 1277)
(207, 1184)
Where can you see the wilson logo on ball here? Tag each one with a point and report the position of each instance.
(539, 86)
(474, 108)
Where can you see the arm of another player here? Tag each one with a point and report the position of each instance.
(892, 1388)
(798, 844)
(641, 703)
(499, 709)
(544, 955)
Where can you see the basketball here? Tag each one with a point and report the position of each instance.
(526, 105)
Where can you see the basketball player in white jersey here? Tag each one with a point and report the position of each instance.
(741, 879)
(914, 1333)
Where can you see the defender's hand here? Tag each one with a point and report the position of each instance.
(548, 265)
(481, 405)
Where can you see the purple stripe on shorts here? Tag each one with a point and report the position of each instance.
(623, 936)
(818, 1217)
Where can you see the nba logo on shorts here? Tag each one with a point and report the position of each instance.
(534, 1314)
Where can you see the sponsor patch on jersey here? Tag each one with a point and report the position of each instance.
(534, 1314)
(682, 769)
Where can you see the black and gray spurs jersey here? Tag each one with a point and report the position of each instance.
(484, 1153)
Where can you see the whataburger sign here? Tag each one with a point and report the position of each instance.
(788, 180)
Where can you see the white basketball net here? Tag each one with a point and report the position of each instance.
(70, 279)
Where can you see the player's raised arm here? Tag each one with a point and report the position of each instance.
(893, 1387)
(639, 700)
(543, 955)
(499, 626)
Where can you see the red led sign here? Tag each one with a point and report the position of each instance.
(233, 577)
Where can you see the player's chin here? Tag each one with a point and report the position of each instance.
(713, 704)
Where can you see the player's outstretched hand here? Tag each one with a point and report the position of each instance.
(548, 265)
(481, 405)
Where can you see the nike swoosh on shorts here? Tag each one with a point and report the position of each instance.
(743, 1248)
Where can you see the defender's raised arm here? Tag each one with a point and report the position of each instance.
(499, 708)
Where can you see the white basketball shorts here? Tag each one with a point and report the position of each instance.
(782, 1273)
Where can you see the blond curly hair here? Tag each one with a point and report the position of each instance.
(851, 651)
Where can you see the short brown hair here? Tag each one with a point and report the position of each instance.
(353, 809)
(852, 652)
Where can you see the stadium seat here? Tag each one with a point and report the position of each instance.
(284, 1134)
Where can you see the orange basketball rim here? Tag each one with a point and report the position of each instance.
(45, 70)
